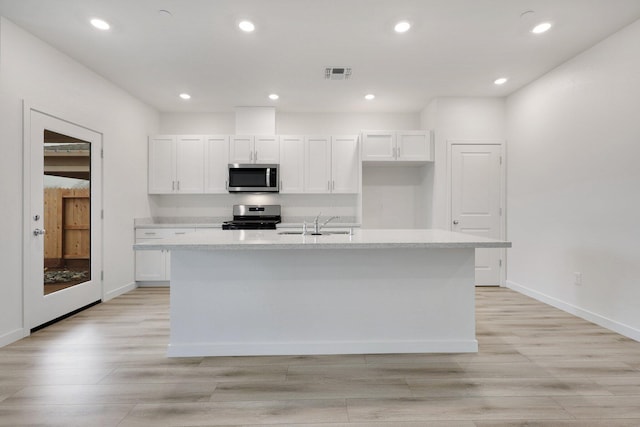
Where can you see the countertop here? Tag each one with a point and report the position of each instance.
(361, 239)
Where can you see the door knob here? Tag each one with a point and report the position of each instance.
(456, 222)
(38, 231)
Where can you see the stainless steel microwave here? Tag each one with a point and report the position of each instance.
(253, 178)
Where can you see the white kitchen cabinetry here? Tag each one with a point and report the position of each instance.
(385, 146)
(254, 149)
(291, 164)
(345, 163)
(176, 164)
(154, 266)
(216, 163)
(317, 164)
(331, 164)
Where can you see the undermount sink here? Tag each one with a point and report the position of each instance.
(308, 233)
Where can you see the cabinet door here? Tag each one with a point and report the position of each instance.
(413, 145)
(241, 149)
(345, 164)
(150, 265)
(216, 172)
(291, 164)
(266, 149)
(162, 167)
(378, 145)
(317, 164)
(190, 164)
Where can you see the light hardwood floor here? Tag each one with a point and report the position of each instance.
(537, 366)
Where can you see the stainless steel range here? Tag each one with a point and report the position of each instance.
(254, 217)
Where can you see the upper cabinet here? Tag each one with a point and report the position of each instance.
(254, 149)
(198, 164)
(345, 164)
(317, 164)
(216, 160)
(176, 164)
(331, 164)
(291, 164)
(385, 146)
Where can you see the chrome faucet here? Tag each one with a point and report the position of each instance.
(317, 226)
(329, 220)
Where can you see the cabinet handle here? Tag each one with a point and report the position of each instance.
(250, 156)
(150, 233)
(328, 185)
(333, 185)
(255, 157)
(280, 184)
(173, 186)
(398, 152)
(180, 232)
(226, 185)
(178, 186)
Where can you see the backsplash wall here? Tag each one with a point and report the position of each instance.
(295, 207)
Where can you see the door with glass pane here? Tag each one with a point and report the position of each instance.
(63, 268)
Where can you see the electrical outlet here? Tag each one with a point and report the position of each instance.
(577, 278)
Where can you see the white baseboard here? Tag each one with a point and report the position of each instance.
(13, 336)
(605, 322)
(320, 347)
(153, 284)
(119, 291)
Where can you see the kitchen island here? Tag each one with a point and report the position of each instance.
(244, 292)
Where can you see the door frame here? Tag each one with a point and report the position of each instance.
(503, 191)
(97, 204)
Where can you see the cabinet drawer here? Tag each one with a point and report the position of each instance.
(161, 233)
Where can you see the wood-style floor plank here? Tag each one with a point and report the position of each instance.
(537, 366)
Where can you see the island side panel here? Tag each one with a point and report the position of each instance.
(346, 301)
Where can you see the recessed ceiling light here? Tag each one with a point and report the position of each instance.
(100, 24)
(246, 26)
(369, 96)
(185, 96)
(402, 27)
(541, 28)
(500, 81)
(274, 96)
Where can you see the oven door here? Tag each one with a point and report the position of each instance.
(252, 178)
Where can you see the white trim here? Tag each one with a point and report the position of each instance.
(119, 291)
(322, 347)
(503, 190)
(590, 316)
(13, 336)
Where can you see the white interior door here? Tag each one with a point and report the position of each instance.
(476, 182)
(63, 229)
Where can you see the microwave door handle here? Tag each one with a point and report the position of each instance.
(268, 183)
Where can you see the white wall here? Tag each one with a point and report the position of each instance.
(455, 119)
(396, 196)
(290, 123)
(197, 123)
(34, 71)
(573, 184)
(343, 123)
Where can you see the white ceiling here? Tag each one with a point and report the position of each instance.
(455, 47)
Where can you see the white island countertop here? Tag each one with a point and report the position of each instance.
(361, 239)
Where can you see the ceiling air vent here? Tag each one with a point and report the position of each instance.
(337, 73)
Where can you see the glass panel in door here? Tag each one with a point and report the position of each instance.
(67, 212)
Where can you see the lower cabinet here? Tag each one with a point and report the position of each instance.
(155, 266)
